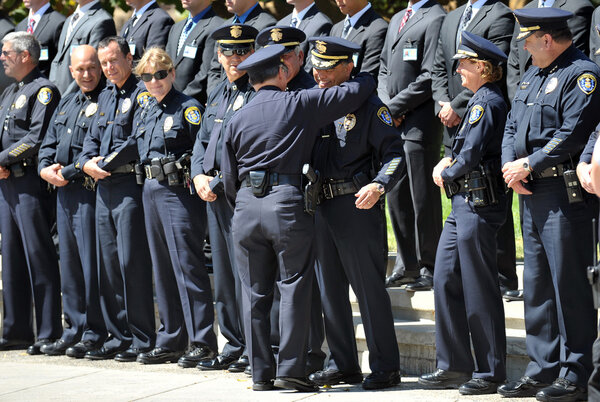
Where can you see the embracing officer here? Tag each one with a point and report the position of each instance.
(75, 209)
(235, 43)
(29, 263)
(264, 149)
(108, 156)
(539, 150)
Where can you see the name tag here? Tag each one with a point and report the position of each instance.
(409, 54)
(190, 52)
(132, 48)
(44, 54)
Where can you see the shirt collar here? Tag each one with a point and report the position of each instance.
(354, 19)
(242, 18)
(239, 83)
(93, 94)
(130, 83)
(141, 11)
(33, 74)
(553, 66)
(300, 15)
(84, 9)
(548, 3)
(418, 5)
(478, 4)
(201, 14)
(38, 14)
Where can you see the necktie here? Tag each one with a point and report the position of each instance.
(347, 27)
(211, 159)
(30, 26)
(407, 15)
(71, 26)
(236, 19)
(184, 34)
(294, 22)
(106, 140)
(464, 21)
(130, 25)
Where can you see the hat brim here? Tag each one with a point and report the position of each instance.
(524, 35)
(324, 64)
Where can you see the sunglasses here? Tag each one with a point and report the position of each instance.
(240, 51)
(159, 75)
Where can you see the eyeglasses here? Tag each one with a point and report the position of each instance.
(159, 75)
(240, 51)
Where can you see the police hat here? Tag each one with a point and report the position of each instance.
(328, 51)
(264, 57)
(234, 35)
(284, 35)
(476, 47)
(540, 19)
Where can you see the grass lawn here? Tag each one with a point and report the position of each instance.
(446, 211)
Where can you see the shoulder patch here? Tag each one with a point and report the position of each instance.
(476, 114)
(192, 114)
(44, 95)
(384, 115)
(143, 98)
(587, 83)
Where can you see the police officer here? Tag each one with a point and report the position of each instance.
(76, 201)
(465, 278)
(235, 43)
(165, 137)
(538, 152)
(359, 157)
(29, 263)
(109, 150)
(265, 146)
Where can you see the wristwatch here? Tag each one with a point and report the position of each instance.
(527, 166)
(380, 188)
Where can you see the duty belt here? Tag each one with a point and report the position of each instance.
(335, 188)
(153, 171)
(276, 179)
(126, 168)
(554, 171)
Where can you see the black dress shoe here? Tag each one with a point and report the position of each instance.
(159, 356)
(333, 377)
(13, 344)
(478, 386)
(513, 295)
(396, 280)
(57, 348)
(79, 350)
(443, 379)
(381, 379)
(195, 356)
(523, 388)
(423, 282)
(35, 349)
(248, 371)
(562, 390)
(130, 355)
(103, 353)
(239, 365)
(263, 386)
(221, 362)
(301, 384)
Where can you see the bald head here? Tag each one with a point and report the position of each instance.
(85, 67)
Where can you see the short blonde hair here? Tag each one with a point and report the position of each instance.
(154, 57)
(491, 72)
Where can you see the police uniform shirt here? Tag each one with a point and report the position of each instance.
(302, 80)
(553, 110)
(25, 113)
(359, 142)
(70, 123)
(111, 133)
(215, 120)
(480, 135)
(168, 127)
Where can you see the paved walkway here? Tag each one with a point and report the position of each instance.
(42, 378)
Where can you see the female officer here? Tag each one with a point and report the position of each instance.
(174, 218)
(467, 296)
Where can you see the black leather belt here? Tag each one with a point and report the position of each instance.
(335, 188)
(276, 179)
(554, 171)
(126, 168)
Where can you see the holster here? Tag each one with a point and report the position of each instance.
(259, 181)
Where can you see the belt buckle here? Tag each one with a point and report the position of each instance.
(148, 171)
(327, 191)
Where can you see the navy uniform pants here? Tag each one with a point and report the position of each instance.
(274, 236)
(29, 263)
(175, 221)
(560, 319)
(352, 250)
(468, 304)
(125, 271)
(228, 288)
(75, 219)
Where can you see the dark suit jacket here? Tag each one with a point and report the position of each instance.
(152, 29)
(314, 23)
(47, 32)
(259, 19)
(369, 32)
(595, 37)
(192, 72)
(405, 85)
(94, 26)
(495, 22)
(519, 59)
(6, 26)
